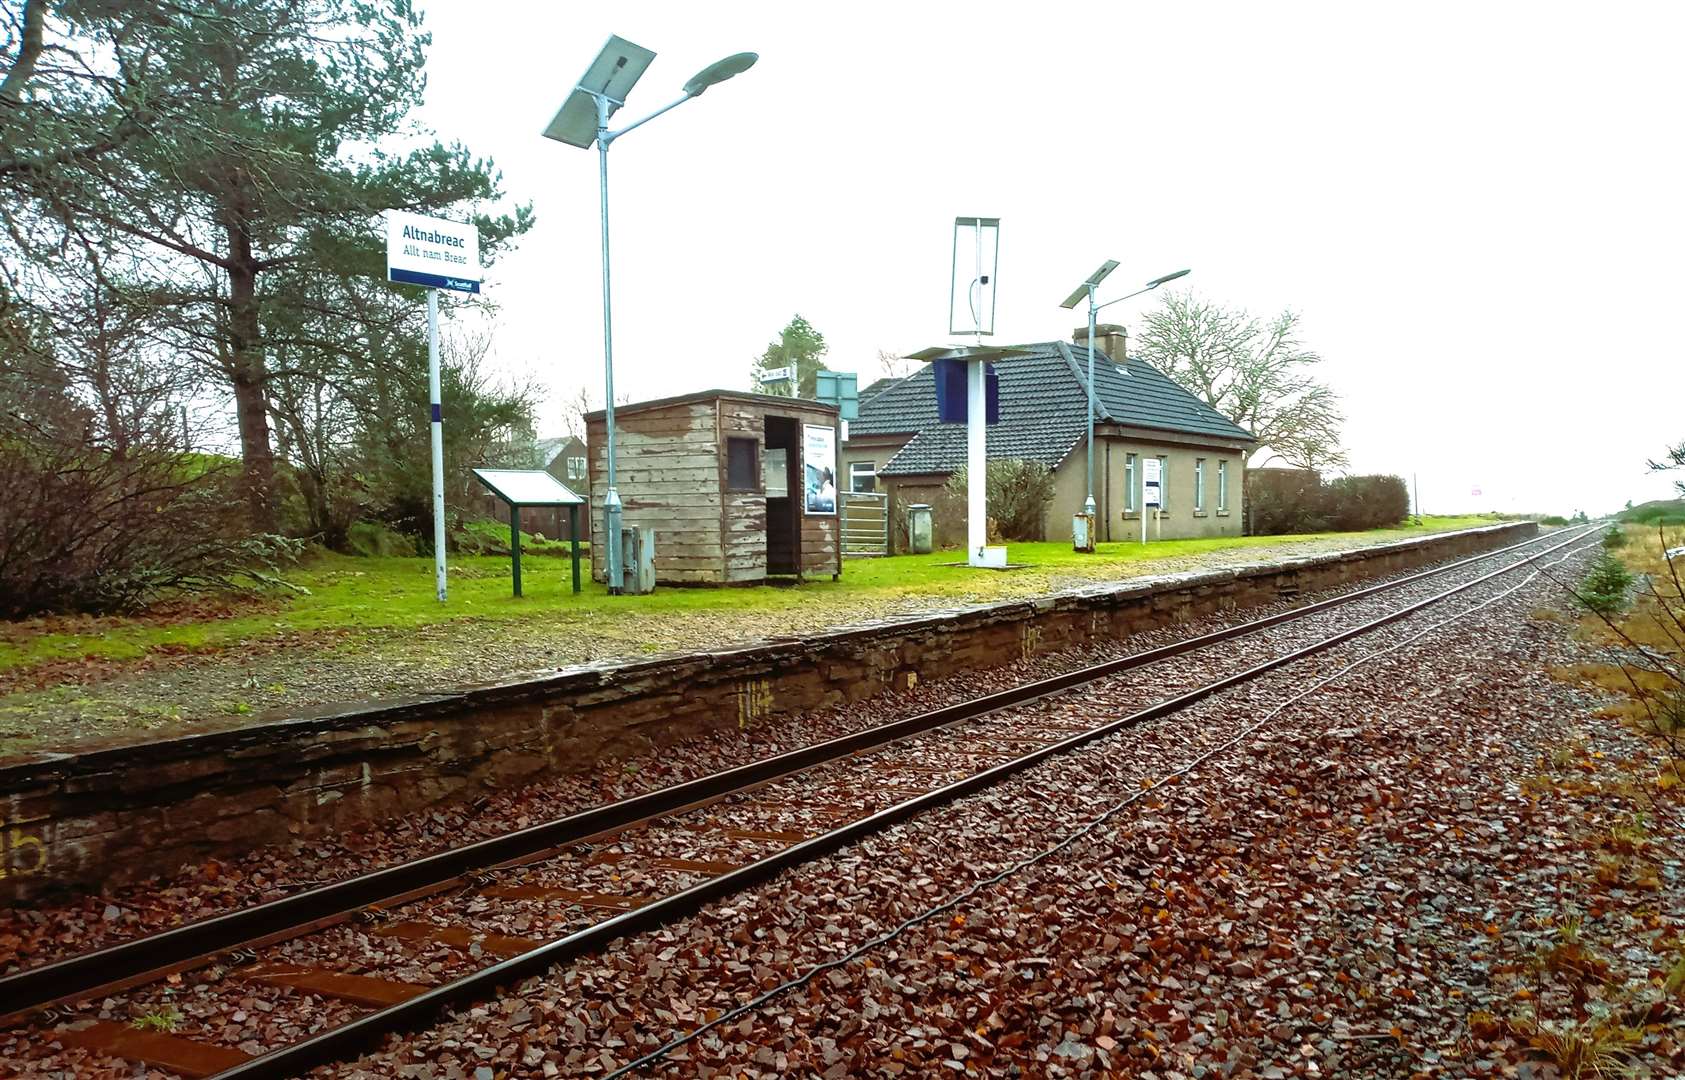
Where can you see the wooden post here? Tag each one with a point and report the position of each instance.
(573, 532)
(515, 543)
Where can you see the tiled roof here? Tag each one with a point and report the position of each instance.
(875, 387)
(1043, 410)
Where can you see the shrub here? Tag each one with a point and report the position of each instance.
(1283, 501)
(1604, 589)
(1553, 519)
(1298, 501)
(1353, 503)
(1613, 537)
(371, 540)
(101, 509)
(1019, 493)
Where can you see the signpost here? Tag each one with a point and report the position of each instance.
(785, 374)
(436, 254)
(1151, 484)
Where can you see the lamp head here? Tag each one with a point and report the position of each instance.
(719, 71)
(1156, 282)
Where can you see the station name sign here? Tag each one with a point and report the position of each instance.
(433, 252)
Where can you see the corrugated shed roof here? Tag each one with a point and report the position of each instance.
(1043, 410)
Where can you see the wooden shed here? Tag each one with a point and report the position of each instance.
(738, 487)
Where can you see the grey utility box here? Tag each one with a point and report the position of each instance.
(637, 558)
(1082, 532)
(918, 528)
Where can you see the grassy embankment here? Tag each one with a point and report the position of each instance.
(356, 593)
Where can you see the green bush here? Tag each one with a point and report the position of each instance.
(1019, 494)
(371, 540)
(1659, 512)
(1298, 501)
(1612, 538)
(1604, 589)
(1553, 519)
(487, 537)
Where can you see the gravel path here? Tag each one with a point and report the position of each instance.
(168, 694)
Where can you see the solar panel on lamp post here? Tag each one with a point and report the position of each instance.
(582, 120)
(1087, 289)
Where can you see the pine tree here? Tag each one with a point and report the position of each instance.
(235, 155)
(798, 344)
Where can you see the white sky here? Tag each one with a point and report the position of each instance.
(1476, 207)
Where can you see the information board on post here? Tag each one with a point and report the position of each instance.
(1151, 482)
(433, 252)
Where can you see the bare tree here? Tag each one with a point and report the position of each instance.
(893, 366)
(575, 407)
(1252, 371)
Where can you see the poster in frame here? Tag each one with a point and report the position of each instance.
(819, 469)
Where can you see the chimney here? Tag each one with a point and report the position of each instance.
(1109, 338)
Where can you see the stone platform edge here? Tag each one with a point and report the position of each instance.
(120, 813)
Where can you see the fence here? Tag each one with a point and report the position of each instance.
(865, 524)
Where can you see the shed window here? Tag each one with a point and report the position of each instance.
(740, 471)
(862, 476)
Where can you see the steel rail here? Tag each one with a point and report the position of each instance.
(130, 963)
(367, 1031)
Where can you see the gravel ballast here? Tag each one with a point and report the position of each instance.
(1333, 896)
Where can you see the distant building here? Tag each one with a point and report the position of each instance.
(898, 446)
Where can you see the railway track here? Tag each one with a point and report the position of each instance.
(681, 847)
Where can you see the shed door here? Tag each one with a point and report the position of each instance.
(783, 498)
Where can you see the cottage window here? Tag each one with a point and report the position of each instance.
(1163, 482)
(863, 476)
(1222, 485)
(1129, 483)
(576, 468)
(1199, 485)
(740, 471)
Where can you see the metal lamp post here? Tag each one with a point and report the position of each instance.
(582, 120)
(1087, 288)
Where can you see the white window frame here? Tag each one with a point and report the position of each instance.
(1199, 485)
(1222, 485)
(576, 468)
(1163, 482)
(853, 468)
(1129, 499)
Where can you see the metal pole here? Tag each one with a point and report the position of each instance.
(611, 497)
(977, 428)
(1088, 506)
(1143, 499)
(515, 543)
(436, 423)
(976, 461)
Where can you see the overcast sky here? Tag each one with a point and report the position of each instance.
(1476, 208)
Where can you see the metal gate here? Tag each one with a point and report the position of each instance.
(865, 523)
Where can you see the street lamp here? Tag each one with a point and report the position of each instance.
(582, 120)
(1087, 289)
